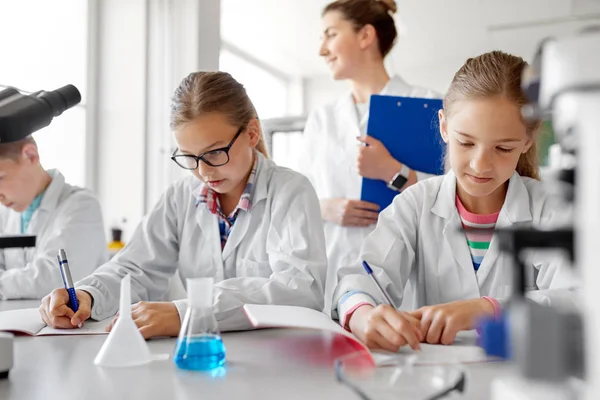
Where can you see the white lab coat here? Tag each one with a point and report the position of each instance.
(275, 254)
(329, 161)
(68, 217)
(419, 237)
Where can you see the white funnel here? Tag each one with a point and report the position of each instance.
(125, 346)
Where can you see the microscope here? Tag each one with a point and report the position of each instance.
(555, 352)
(20, 116)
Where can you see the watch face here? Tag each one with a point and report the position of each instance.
(399, 182)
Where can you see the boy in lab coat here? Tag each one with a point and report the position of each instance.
(61, 216)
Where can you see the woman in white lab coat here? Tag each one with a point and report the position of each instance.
(357, 36)
(251, 225)
(39, 202)
(493, 182)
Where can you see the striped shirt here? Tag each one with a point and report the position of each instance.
(210, 199)
(479, 234)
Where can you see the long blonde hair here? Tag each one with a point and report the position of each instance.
(204, 92)
(496, 74)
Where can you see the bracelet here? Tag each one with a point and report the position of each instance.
(495, 304)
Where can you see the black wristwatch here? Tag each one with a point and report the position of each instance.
(400, 179)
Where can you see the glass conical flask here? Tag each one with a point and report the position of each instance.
(199, 345)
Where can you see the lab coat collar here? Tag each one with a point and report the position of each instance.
(347, 108)
(261, 182)
(445, 207)
(395, 85)
(242, 223)
(53, 191)
(209, 223)
(515, 209)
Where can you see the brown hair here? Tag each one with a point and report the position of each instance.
(13, 150)
(496, 74)
(205, 92)
(377, 13)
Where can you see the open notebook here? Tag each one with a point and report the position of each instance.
(28, 321)
(270, 316)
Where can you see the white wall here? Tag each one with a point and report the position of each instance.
(322, 89)
(184, 37)
(121, 110)
(437, 36)
(136, 77)
(134, 82)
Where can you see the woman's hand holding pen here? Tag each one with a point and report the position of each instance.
(375, 161)
(441, 323)
(56, 313)
(154, 319)
(385, 328)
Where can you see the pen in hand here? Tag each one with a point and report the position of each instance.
(383, 292)
(65, 272)
(387, 298)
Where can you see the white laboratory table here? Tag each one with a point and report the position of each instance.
(264, 364)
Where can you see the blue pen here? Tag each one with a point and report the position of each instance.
(63, 263)
(383, 292)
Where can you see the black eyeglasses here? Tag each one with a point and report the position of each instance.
(214, 158)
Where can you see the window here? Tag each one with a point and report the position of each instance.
(286, 149)
(44, 46)
(267, 92)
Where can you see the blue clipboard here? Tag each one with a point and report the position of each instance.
(409, 129)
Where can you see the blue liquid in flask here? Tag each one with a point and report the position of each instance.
(200, 353)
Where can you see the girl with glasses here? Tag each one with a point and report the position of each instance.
(254, 227)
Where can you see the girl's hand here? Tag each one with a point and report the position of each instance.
(154, 319)
(385, 328)
(441, 323)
